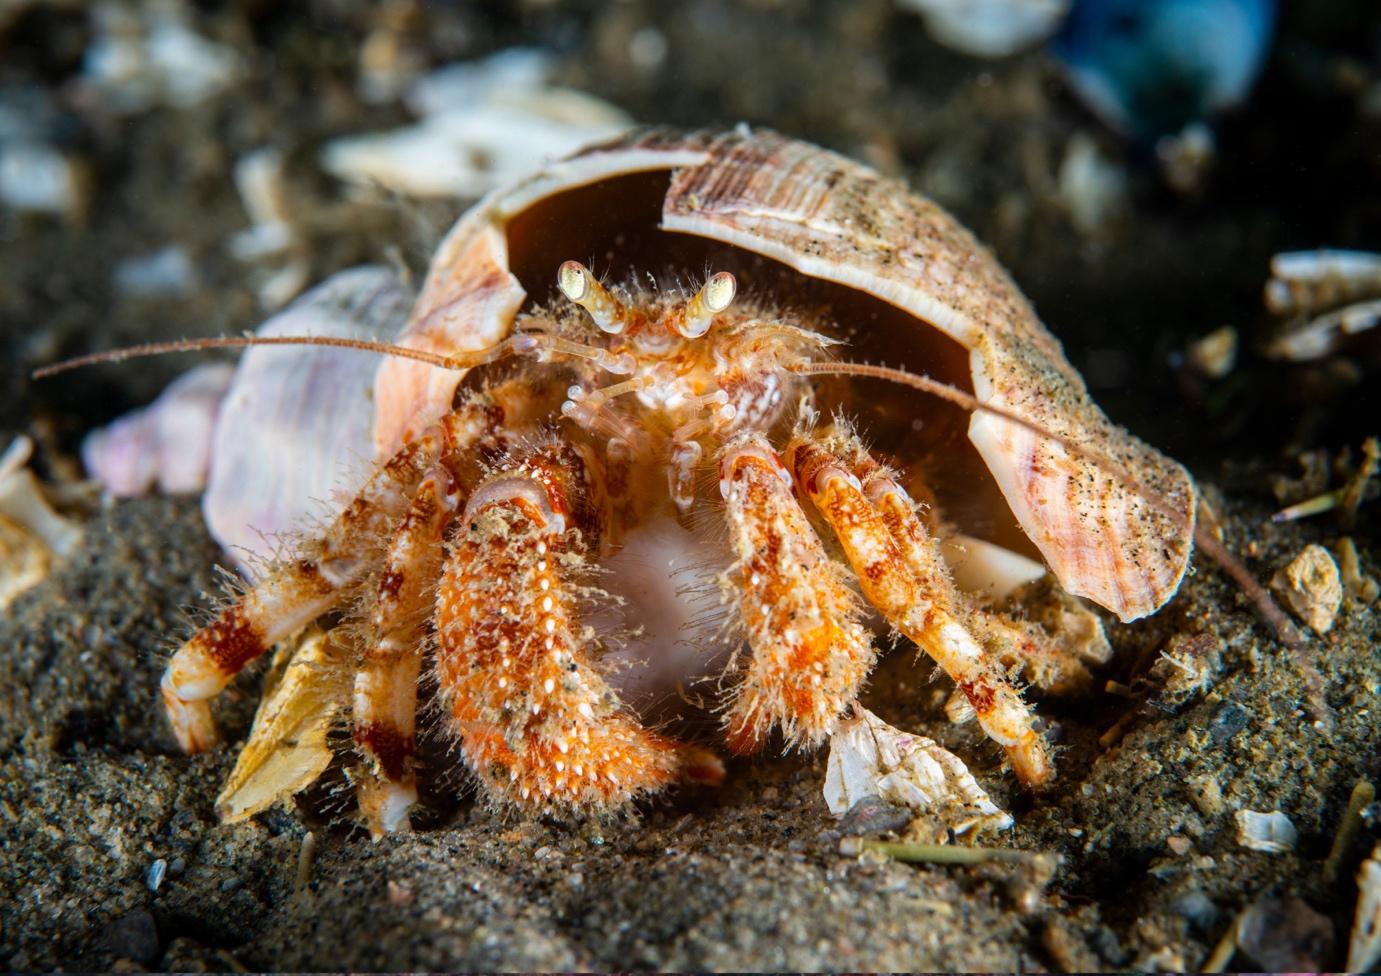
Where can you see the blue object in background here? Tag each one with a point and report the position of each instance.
(1151, 67)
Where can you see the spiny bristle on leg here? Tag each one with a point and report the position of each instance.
(809, 651)
(902, 574)
(538, 723)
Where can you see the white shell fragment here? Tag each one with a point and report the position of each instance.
(482, 124)
(167, 272)
(263, 191)
(1331, 295)
(1270, 832)
(1214, 355)
(1306, 281)
(1364, 951)
(989, 28)
(147, 54)
(986, 570)
(36, 177)
(166, 444)
(868, 757)
(1311, 587)
(289, 445)
(1092, 187)
(31, 533)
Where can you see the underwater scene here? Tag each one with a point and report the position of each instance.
(732, 485)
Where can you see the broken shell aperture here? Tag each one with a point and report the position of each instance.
(805, 229)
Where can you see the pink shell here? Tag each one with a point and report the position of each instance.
(167, 443)
(772, 204)
(290, 446)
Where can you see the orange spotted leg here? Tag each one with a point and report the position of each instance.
(538, 723)
(810, 650)
(901, 574)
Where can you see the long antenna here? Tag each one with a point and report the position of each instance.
(1203, 538)
(236, 342)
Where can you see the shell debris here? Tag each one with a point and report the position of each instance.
(1311, 587)
(1364, 950)
(36, 175)
(260, 179)
(146, 55)
(1092, 188)
(1356, 583)
(32, 534)
(1215, 355)
(1270, 832)
(869, 758)
(481, 125)
(1325, 298)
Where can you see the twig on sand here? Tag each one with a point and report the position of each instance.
(943, 853)
(1348, 825)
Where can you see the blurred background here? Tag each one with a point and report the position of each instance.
(170, 168)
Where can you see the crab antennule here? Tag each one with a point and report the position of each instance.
(583, 288)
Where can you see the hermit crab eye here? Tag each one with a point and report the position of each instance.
(581, 287)
(715, 296)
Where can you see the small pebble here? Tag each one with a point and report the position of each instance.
(398, 894)
(134, 936)
(156, 872)
(1198, 910)
(1207, 795)
(1311, 587)
(1229, 720)
(1286, 935)
(871, 816)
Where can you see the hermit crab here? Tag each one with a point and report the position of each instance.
(709, 378)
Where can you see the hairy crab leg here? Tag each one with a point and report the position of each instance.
(297, 591)
(538, 724)
(903, 576)
(810, 651)
(385, 706)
